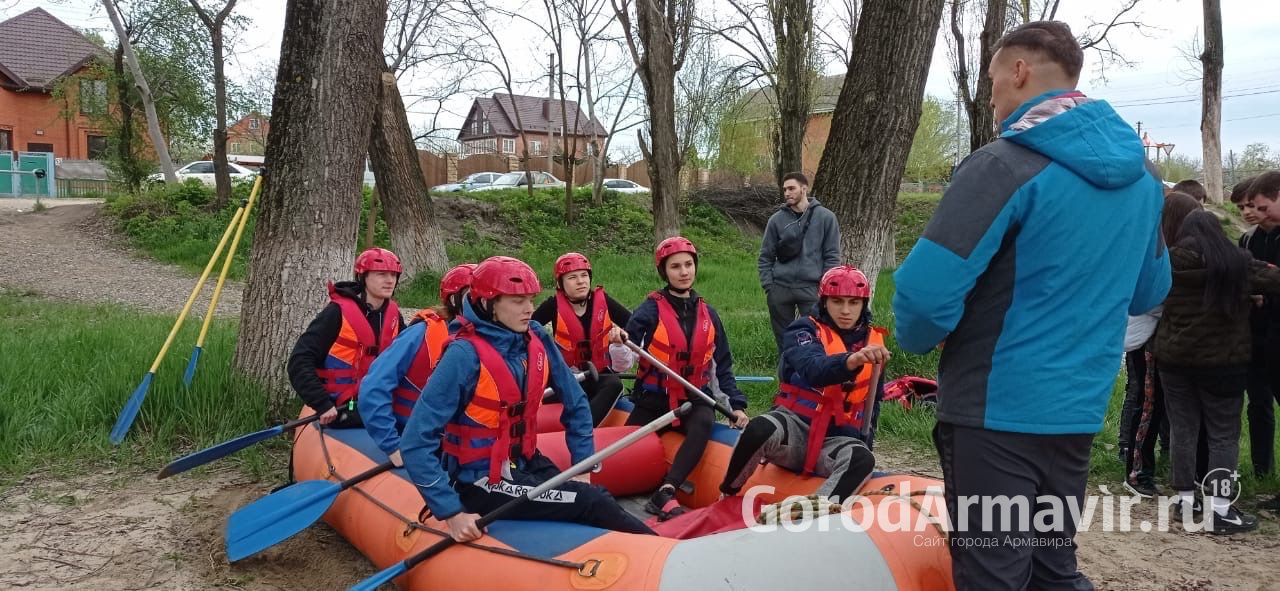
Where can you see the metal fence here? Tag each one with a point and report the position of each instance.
(86, 187)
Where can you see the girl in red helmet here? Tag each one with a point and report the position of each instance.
(584, 322)
(470, 445)
(815, 426)
(390, 390)
(682, 331)
(334, 353)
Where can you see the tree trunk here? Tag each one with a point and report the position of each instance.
(1211, 100)
(321, 118)
(221, 172)
(129, 166)
(793, 38)
(982, 123)
(144, 90)
(874, 121)
(658, 76)
(405, 197)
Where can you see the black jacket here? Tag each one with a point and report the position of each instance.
(1193, 339)
(313, 346)
(1265, 320)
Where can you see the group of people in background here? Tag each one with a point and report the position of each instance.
(1191, 361)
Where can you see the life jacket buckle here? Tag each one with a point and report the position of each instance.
(371, 351)
(518, 429)
(683, 356)
(516, 409)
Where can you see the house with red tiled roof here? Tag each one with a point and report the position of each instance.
(37, 53)
(496, 125)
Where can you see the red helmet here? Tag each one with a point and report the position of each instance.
(672, 246)
(503, 276)
(456, 280)
(844, 281)
(568, 263)
(377, 259)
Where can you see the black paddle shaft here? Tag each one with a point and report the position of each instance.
(367, 474)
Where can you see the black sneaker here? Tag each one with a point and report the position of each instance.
(1141, 488)
(1233, 522)
(663, 503)
(1197, 508)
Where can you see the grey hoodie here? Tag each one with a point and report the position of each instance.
(820, 247)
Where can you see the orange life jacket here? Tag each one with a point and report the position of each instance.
(578, 347)
(844, 404)
(406, 393)
(355, 348)
(505, 415)
(691, 358)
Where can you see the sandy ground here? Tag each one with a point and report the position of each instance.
(117, 531)
(69, 252)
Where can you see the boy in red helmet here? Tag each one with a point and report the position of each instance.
(816, 424)
(390, 390)
(335, 352)
(470, 445)
(584, 322)
(683, 332)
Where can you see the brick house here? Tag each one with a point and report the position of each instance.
(746, 137)
(490, 126)
(248, 136)
(37, 54)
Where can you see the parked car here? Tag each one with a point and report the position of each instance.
(624, 186)
(511, 180)
(202, 170)
(473, 181)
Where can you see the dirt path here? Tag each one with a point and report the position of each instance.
(69, 252)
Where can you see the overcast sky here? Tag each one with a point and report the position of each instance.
(1161, 89)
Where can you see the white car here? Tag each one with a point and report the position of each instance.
(512, 180)
(624, 186)
(473, 181)
(202, 170)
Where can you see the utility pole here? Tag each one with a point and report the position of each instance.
(551, 97)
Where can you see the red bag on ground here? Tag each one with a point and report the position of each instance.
(722, 516)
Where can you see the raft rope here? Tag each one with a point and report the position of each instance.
(587, 568)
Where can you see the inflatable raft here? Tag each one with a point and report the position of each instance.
(895, 542)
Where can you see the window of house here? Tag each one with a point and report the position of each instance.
(486, 126)
(235, 147)
(254, 123)
(39, 147)
(535, 146)
(6, 139)
(97, 147)
(508, 145)
(93, 96)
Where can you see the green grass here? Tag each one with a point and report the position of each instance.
(69, 368)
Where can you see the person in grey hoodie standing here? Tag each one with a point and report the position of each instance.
(801, 242)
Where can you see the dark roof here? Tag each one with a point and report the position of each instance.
(759, 103)
(537, 114)
(38, 49)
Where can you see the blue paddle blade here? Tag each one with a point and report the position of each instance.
(130, 411)
(191, 367)
(278, 516)
(752, 379)
(383, 577)
(210, 454)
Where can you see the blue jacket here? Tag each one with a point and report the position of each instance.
(449, 391)
(643, 323)
(805, 362)
(1043, 245)
(386, 373)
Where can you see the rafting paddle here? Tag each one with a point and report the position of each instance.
(277, 516)
(743, 379)
(386, 575)
(227, 448)
(720, 406)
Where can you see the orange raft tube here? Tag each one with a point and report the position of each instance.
(888, 540)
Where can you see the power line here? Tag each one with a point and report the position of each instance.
(1190, 99)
